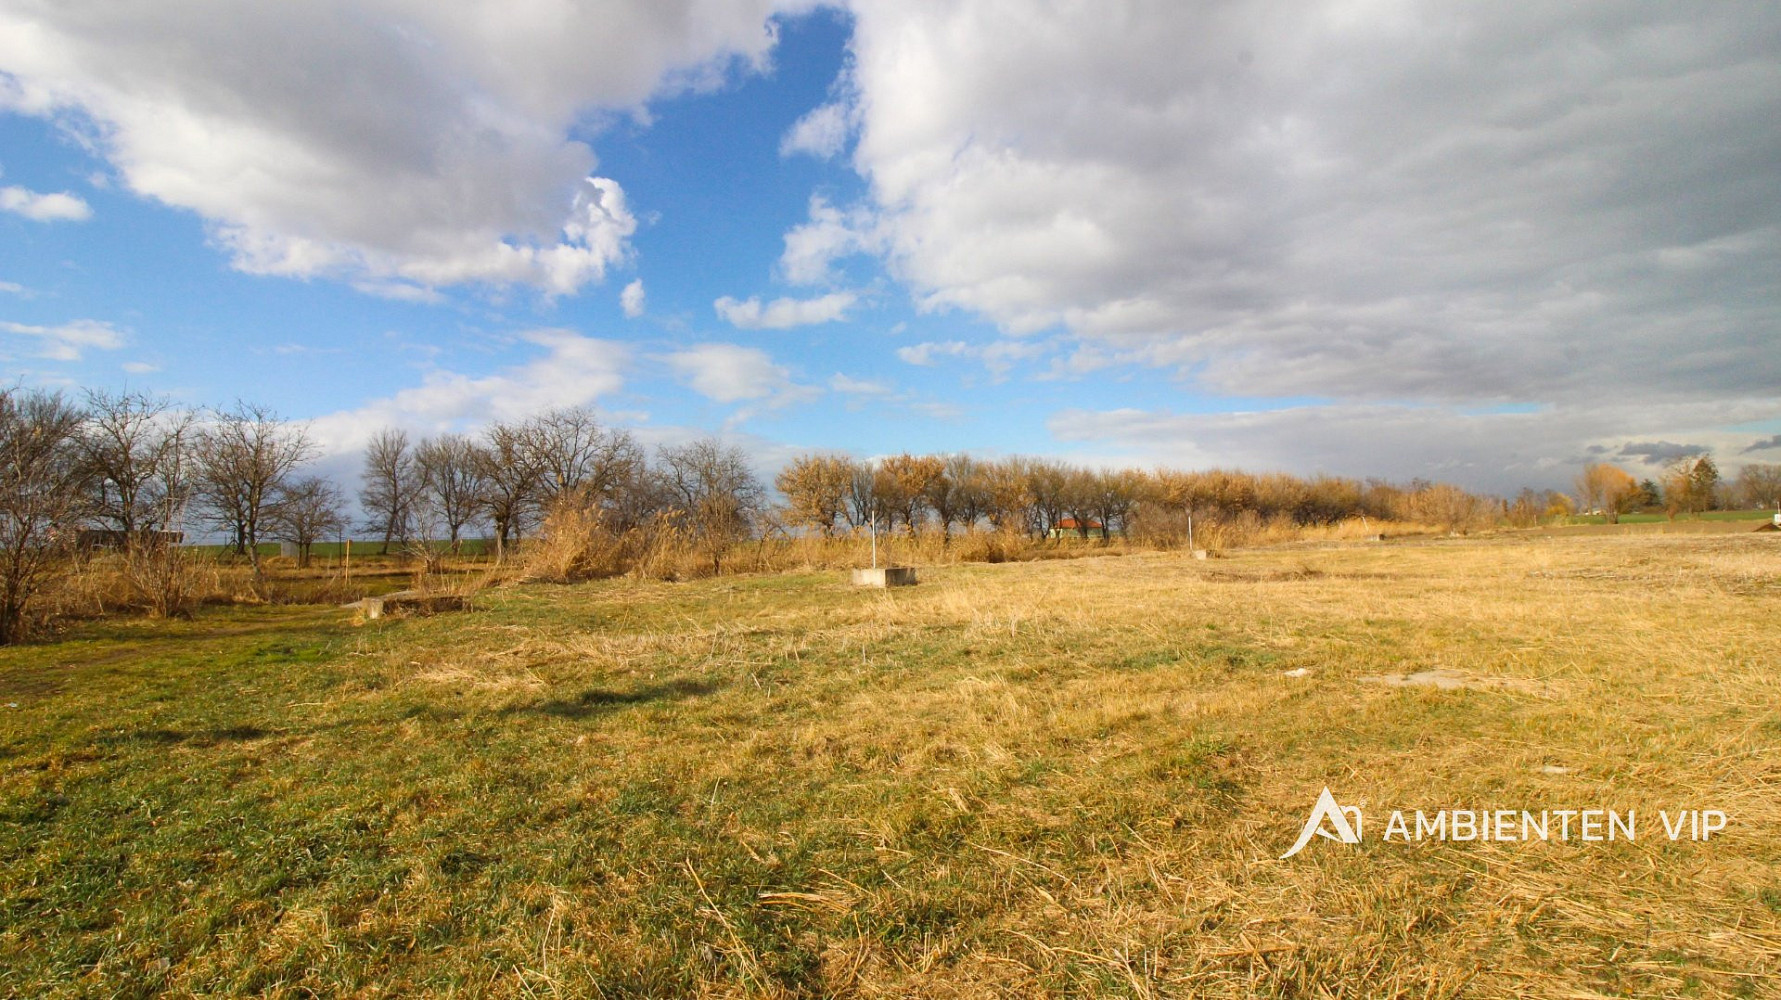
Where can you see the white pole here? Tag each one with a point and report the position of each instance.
(874, 539)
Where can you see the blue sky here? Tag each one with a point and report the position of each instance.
(1469, 245)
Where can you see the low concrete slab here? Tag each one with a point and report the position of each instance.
(409, 602)
(885, 576)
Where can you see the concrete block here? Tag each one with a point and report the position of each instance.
(410, 602)
(885, 576)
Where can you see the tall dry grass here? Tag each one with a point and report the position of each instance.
(577, 543)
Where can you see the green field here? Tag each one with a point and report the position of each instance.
(1064, 778)
(1659, 518)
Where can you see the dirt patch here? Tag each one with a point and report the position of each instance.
(1443, 679)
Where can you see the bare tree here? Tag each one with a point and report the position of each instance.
(864, 506)
(245, 458)
(1047, 495)
(451, 487)
(513, 477)
(1115, 494)
(1760, 484)
(307, 511)
(390, 483)
(134, 447)
(712, 486)
(42, 493)
(575, 455)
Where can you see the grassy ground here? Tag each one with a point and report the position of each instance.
(1062, 778)
(1737, 517)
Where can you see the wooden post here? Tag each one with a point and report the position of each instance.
(874, 539)
(346, 547)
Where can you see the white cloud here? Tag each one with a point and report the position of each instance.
(811, 248)
(400, 291)
(60, 207)
(632, 299)
(67, 341)
(140, 368)
(783, 314)
(13, 288)
(1438, 202)
(572, 370)
(858, 387)
(821, 133)
(928, 353)
(386, 140)
(730, 373)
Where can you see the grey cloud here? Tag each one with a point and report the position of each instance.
(1766, 444)
(1439, 202)
(1496, 451)
(1660, 452)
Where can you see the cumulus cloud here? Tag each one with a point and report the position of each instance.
(59, 207)
(570, 370)
(1440, 201)
(730, 373)
(631, 300)
(783, 314)
(68, 341)
(385, 141)
(813, 247)
(822, 133)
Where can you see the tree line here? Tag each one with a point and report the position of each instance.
(140, 469)
(1690, 484)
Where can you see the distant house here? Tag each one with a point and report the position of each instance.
(1069, 527)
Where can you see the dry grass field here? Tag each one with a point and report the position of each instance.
(1061, 778)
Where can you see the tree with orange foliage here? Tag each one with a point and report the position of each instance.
(1607, 488)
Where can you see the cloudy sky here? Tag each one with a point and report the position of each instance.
(1482, 243)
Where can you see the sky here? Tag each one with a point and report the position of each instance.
(1483, 244)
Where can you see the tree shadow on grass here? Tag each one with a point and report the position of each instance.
(171, 737)
(597, 701)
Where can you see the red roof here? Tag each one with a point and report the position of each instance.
(1069, 524)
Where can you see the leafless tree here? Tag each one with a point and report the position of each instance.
(43, 490)
(713, 487)
(576, 455)
(135, 448)
(513, 476)
(308, 511)
(391, 480)
(451, 488)
(863, 506)
(1114, 494)
(1760, 484)
(245, 457)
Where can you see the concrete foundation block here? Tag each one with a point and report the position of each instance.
(885, 576)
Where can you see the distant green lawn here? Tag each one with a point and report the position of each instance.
(1711, 515)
